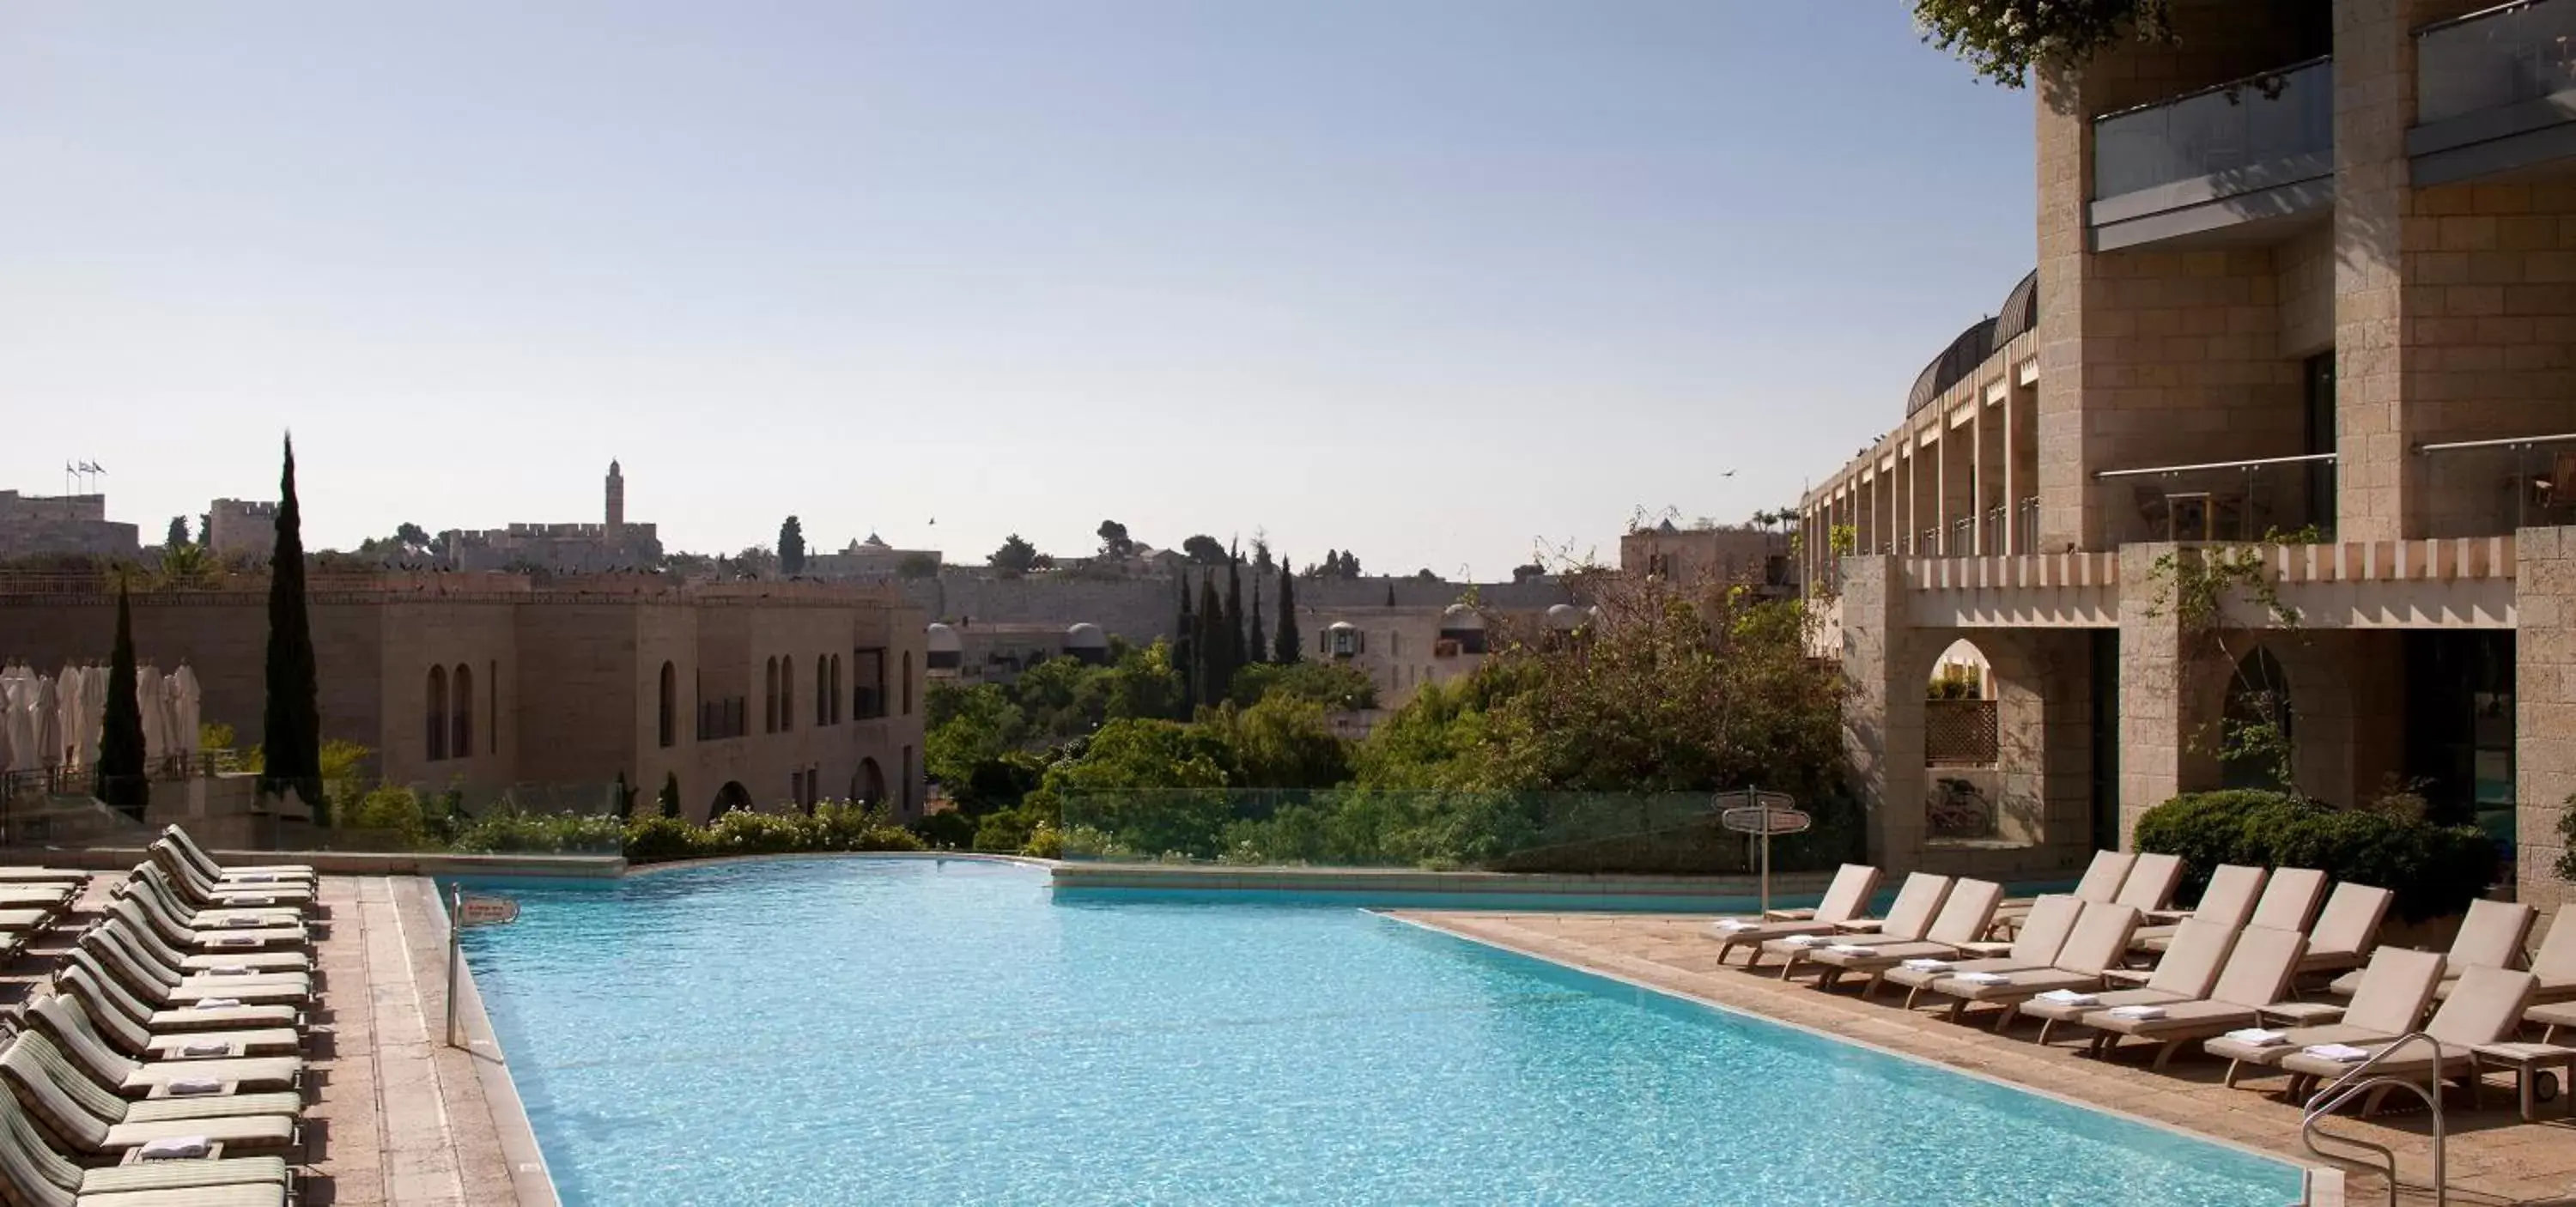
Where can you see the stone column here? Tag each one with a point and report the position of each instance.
(1883, 710)
(2544, 721)
(2374, 63)
(2162, 749)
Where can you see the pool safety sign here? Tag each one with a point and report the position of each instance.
(486, 911)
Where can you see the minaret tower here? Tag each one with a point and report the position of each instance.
(616, 503)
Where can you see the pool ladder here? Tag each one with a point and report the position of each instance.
(2353, 1084)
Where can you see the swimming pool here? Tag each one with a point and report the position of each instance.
(897, 1031)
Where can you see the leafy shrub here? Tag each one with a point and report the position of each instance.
(2435, 870)
(661, 839)
(393, 815)
(507, 831)
(946, 830)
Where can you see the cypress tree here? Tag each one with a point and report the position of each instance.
(1291, 648)
(625, 797)
(670, 798)
(121, 783)
(291, 724)
(1185, 650)
(1234, 646)
(1216, 677)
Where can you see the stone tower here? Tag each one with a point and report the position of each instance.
(616, 503)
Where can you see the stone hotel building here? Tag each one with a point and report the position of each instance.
(752, 694)
(2310, 271)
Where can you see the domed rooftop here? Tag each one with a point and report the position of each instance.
(1085, 636)
(1458, 616)
(1341, 626)
(943, 640)
(2020, 314)
(1566, 617)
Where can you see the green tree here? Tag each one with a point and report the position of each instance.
(1203, 550)
(1215, 670)
(1290, 647)
(1256, 648)
(625, 797)
(669, 798)
(1331, 685)
(291, 721)
(121, 781)
(2004, 40)
(178, 534)
(1235, 621)
(1185, 649)
(1527, 571)
(968, 725)
(791, 547)
(410, 534)
(1282, 742)
(1350, 564)
(1015, 558)
(1114, 542)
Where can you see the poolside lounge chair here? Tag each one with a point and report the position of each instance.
(2257, 975)
(1907, 919)
(205, 862)
(21, 872)
(2101, 882)
(2228, 902)
(165, 989)
(36, 896)
(2289, 900)
(148, 931)
(120, 1017)
(1839, 911)
(203, 916)
(1964, 916)
(246, 928)
(2551, 1017)
(2485, 1008)
(89, 1119)
(2554, 966)
(2396, 986)
(2186, 973)
(2151, 882)
(33, 1173)
(2044, 932)
(2100, 937)
(2489, 937)
(211, 947)
(69, 1024)
(210, 893)
(2348, 930)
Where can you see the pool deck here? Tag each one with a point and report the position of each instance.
(2494, 1157)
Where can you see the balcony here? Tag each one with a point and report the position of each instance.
(2494, 92)
(2231, 501)
(2253, 153)
(2493, 487)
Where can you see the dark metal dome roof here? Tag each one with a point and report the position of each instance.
(2020, 312)
(1974, 345)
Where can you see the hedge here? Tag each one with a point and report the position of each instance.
(830, 827)
(2435, 870)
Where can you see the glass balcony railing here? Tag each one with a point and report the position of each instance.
(2233, 129)
(2504, 56)
(2492, 487)
(2219, 501)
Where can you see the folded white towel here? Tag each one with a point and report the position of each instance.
(227, 970)
(240, 899)
(182, 1087)
(1982, 978)
(172, 1148)
(1803, 940)
(207, 1047)
(2140, 1013)
(218, 1003)
(253, 878)
(236, 921)
(1735, 924)
(2341, 1052)
(2258, 1037)
(1926, 964)
(232, 941)
(1852, 949)
(2070, 997)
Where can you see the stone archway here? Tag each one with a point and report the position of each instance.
(731, 797)
(868, 787)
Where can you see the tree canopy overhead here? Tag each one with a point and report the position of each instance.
(2005, 39)
(1204, 550)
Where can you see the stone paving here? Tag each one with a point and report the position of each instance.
(2494, 1157)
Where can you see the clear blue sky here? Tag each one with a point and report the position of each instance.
(1428, 279)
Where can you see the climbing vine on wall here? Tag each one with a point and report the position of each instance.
(2197, 585)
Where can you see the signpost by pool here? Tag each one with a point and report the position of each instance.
(464, 911)
(1765, 814)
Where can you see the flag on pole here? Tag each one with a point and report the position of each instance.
(96, 468)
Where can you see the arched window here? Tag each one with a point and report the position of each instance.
(822, 691)
(436, 713)
(907, 683)
(769, 700)
(786, 693)
(667, 716)
(836, 689)
(2256, 737)
(463, 743)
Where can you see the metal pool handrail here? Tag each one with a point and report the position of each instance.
(2330, 1099)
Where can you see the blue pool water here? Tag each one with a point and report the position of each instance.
(899, 1032)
